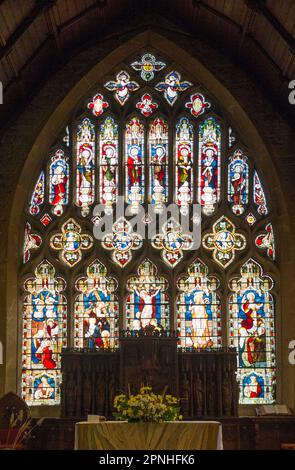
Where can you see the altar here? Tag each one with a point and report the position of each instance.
(174, 435)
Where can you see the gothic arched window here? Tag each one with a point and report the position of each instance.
(149, 135)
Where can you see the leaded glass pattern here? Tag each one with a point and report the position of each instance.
(259, 196)
(70, 242)
(209, 165)
(147, 66)
(59, 182)
(85, 176)
(151, 136)
(122, 241)
(96, 309)
(147, 304)
(122, 87)
(172, 242)
(158, 163)
(38, 195)
(198, 309)
(252, 333)
(197, 104)
(238, 182)
(98, 105)
(266, 241)
(134, 163)
(146, 105)
(184, 158)
(44, 335)
(224, 241)
(172, 86)
(32, 241)
(108, 162)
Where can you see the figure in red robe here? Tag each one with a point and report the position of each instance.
(47, 361)
(134, 166)
(253, 388)
(59, 182)
(159, 161)
(238, 183)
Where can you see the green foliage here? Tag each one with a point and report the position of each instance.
(146, 406)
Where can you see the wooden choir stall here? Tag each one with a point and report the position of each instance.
(205, 381)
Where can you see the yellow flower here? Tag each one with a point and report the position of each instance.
(147, 406)
(144, 390)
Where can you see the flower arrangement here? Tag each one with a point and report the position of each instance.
(146, 407)
(19, 429)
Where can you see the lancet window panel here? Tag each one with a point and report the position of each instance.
(209, 164)
(252, 332)
(85, 165)
(135, 163)
(96, 309)
(44, 335)
(147, 303)
(199, 309)
(108, 161)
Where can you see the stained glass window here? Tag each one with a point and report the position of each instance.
(85, 178)
(209, 165)
(122, 241)
(38, 195)
(147, 66)
(250, 219)
(96, 309)
(134, 162)
(146, 105)
(158, 162)
(172, 86)
(252, 332)
(172, 242)
(32, 241)
(108, 162)
(44, 335)
(122, 87)
(46, 219)
(59, 182)
(150, 135)
(231, 137)
(259, 196)
(70, 242)
(198, 309)
(224, 241)
(147, 304)
(184, 163)
(238, 182)
(98, 105)
(66, 138)
(266, 241)
(197, 104)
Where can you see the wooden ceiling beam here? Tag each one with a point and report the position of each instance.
(39, 7)
(261, 7)
(53, 29)
(218, 13)
(97, 5)
(289, 39)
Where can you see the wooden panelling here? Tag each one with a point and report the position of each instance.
(204, 381)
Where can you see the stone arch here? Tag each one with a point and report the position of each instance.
(51, 123)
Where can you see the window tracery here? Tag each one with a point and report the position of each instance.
(157, 138)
